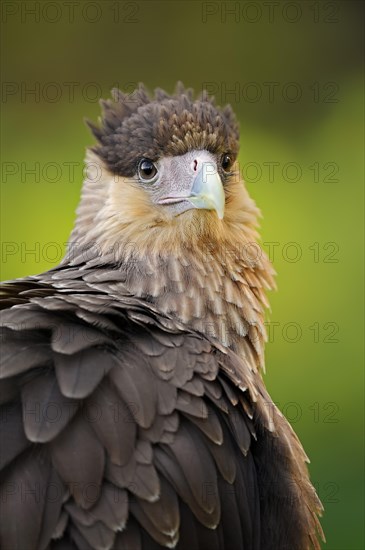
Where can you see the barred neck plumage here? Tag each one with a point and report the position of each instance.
(217, 291)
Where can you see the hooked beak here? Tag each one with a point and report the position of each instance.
(194, 183)
(207, 191)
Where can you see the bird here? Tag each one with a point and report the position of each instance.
(134, 413)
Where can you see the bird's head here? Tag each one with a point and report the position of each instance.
(163, 173)
(164, 209)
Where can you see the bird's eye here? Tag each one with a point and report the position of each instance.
(226, 162)
(147, 170)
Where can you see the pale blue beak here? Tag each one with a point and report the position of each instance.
(207, 192)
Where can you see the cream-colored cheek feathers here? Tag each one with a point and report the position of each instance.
(112, 209)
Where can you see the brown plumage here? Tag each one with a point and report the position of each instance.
(133, 411)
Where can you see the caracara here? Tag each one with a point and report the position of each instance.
(133, 410)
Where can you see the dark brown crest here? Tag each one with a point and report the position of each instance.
(136, 125)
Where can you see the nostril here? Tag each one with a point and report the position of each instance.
(195, 165)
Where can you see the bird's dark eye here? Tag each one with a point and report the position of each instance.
(226, 162)
(147, 170)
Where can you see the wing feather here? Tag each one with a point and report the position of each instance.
(151, 434)
(78, 457)
(45, 410)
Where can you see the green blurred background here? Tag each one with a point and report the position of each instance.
(293, 73)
